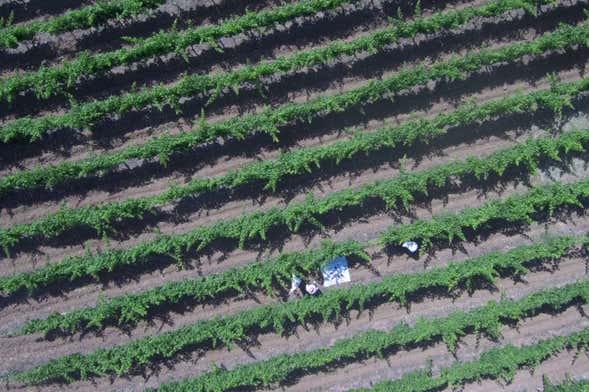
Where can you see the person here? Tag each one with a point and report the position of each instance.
(297, 285)
(294, 283)
(411, 246)
(312, 288)
(295, 289)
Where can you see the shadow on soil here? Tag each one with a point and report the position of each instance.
(333, 221)
(419, 99)
(62, 140)
(166, 68)
(24, 10)
(110, 36)
(317, 320)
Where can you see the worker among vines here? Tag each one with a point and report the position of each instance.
(312, 288)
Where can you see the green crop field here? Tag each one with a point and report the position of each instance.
(167, 166)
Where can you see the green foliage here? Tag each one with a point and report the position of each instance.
(292, 163)
(102, 217)
(496, 363)
(268, 121)
(83, 18)
(60, 79)
(569, 385)
(129, 309)
(144, 352)
(396, 192)
(418, 381)
(258, 276)
(516, 209)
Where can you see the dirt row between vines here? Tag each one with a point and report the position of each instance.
(332, 86)
(342, 184)
(13, 316)
(8, 6)
(22, 214)
(363, 374)
(195, 217)
(157, 123)
(21, 353)
(453, 201)
(152, 122)
(251, 46)
(51, 49)
(301, 33)
(382, 318)
(556, 368)
(347, 22)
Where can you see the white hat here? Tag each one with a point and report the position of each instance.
(411, 246)
(311, 288)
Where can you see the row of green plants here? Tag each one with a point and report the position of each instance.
(415, 381)
(264, 276)
(49, 176)
(131, 357)
(517, 209)
(320, 56)
(568, 385)
(497, 363)
(131, 308)
(396, 192)
(268, 120)
(59, 80)
(83, 18)
(101, 218)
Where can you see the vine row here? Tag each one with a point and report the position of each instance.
(395, 192)
(83, 18)
(268, 120)
(568, 385)
(124, 359)
(264, 275)
(541, 200)
(129, 309)
(496, 363)
(48, 177)
(59, 80)
(101, 218)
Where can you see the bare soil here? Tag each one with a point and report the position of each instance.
(141, 179)
(306, 339)
(135, 128)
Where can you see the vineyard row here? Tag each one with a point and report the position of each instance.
(83, 18)
(100, 218)
(496, 363)
(85, 115)
(398, 191)
(60, 80)
(47, 177)
(123, 359)
(131, 308)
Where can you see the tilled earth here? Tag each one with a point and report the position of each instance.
(139, 179)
